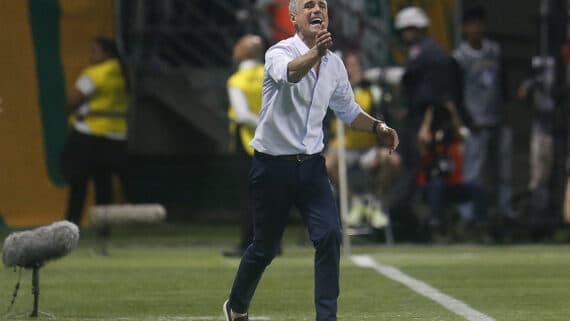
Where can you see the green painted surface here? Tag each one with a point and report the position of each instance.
(45, 20)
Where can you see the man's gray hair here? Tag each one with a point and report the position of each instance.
(292, 6)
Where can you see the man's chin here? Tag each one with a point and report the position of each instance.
(316, 28)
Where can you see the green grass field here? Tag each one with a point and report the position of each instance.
(178, 273)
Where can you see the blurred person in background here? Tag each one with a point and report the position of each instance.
(488, 149)
(428, 81)
(96, 145)
(275, 21)
(566, 206)
(363, 151)
(244, 91)
(565, 54)
(441, 173)
(540, 89)
(547, 90)
(302, 80)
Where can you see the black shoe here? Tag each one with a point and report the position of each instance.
(228, 313)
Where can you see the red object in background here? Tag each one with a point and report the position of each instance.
(565, 53)
(283, 27)
(453, 151)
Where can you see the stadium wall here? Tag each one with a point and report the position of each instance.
(45, 44)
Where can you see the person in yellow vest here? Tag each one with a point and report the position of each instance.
(362, 149)
(244, 90)
(96, 145)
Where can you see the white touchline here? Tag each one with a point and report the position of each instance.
(181, 318)
(456, 306)
(206, 318)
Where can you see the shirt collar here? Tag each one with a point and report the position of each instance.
(300, 44)
(249, 63)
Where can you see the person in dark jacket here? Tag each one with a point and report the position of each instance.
(429, 80)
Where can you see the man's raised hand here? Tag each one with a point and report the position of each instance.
(323, 41)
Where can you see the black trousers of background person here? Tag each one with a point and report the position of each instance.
(89, 157)
(410, 154)
(276, 184)
(244, 165)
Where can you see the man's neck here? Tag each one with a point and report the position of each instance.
(309, 41)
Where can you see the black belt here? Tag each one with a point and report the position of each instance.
(295, 157)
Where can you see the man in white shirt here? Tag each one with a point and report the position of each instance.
(302, 79)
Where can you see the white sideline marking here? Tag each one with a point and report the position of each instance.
(206, 318)
(454, 305)
(182, 318)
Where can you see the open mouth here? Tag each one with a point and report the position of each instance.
(316, 21)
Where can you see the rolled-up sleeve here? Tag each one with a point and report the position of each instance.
(277, 59)
(85, 85)
(342, 101)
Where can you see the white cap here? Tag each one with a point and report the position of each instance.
(411, 17)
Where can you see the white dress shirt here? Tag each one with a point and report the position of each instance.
(291, 118)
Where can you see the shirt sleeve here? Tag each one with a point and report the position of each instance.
(342, 101)
(241, 107)
(276, 61)
(85, 85)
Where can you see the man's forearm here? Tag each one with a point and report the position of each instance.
(363, 122)
(299, 67)
(388, 135)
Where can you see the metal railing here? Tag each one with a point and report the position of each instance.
(181, 32)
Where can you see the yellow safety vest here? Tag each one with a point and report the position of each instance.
(250, 82)
(108, 103)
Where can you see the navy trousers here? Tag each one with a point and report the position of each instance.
(277, 184)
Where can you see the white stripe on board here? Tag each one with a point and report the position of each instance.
(456, 306)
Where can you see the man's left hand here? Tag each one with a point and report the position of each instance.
(388, 135)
